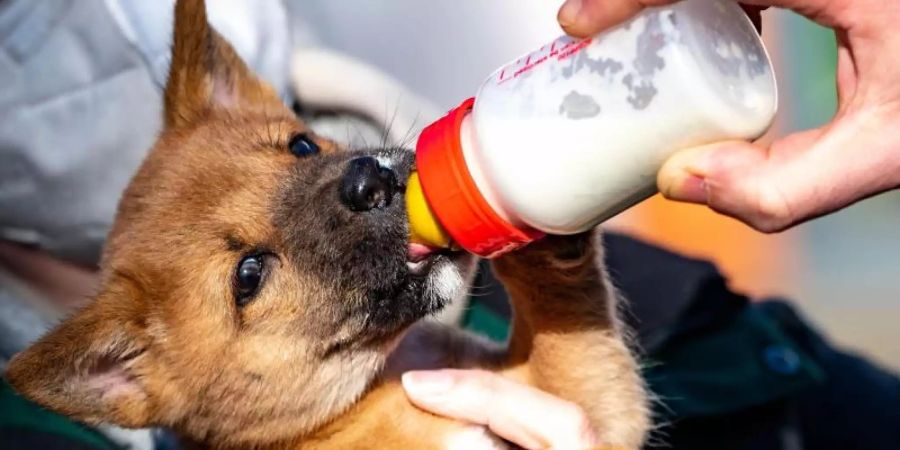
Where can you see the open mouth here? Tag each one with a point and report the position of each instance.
(420, 258)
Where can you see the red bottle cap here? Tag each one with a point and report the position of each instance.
(453, 196)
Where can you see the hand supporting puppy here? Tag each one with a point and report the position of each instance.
(526, 416)
(807, 174)
(568, 380)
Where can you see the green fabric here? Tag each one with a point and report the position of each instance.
(17, 412)
(718, 371)
(726, 369)
(480, 319)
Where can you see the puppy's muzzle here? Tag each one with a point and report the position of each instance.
(366, 185)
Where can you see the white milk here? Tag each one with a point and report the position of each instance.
(575, 132)
(567, 137)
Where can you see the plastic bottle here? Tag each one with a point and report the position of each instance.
(575, 132)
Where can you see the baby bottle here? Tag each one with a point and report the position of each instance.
(573, 133)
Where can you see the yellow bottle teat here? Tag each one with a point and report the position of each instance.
(424, 227)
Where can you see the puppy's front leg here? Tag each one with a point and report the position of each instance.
(567, 338)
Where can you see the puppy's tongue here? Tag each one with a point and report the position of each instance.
(417, 252)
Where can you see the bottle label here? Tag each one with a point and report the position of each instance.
(558, 50)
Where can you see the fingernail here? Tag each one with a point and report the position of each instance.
(690, 189)
(568, 13)
(427, 383)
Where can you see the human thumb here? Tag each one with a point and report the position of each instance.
(583, 18)
(734, 178)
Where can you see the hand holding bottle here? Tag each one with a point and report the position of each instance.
(807, 174)
(575, 132)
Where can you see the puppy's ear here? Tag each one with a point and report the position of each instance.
(206, 73)
(89, 367)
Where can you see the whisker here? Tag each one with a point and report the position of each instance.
(409, 136)
(347, 141)
(360, 135)
(387, 128)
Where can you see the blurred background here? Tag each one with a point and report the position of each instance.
(841, 269)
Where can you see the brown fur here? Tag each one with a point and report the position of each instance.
(313, 361)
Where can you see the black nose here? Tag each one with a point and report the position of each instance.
(366, 185)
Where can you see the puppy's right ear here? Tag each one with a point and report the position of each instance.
(206, 73)
(90, 366)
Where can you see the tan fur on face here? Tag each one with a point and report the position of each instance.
(179, 354)
(165, 344)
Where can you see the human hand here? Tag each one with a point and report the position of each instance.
(807, 174)
(521, 414)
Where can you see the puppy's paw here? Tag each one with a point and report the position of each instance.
(563, 248)
(553, 260)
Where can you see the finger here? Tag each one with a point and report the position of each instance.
(730, 178)
(802, 176)
(583, 18)
(518, 413)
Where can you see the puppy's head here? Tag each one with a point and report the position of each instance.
(256, 276)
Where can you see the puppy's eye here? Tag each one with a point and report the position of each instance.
(248, 278)
(302, 145)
